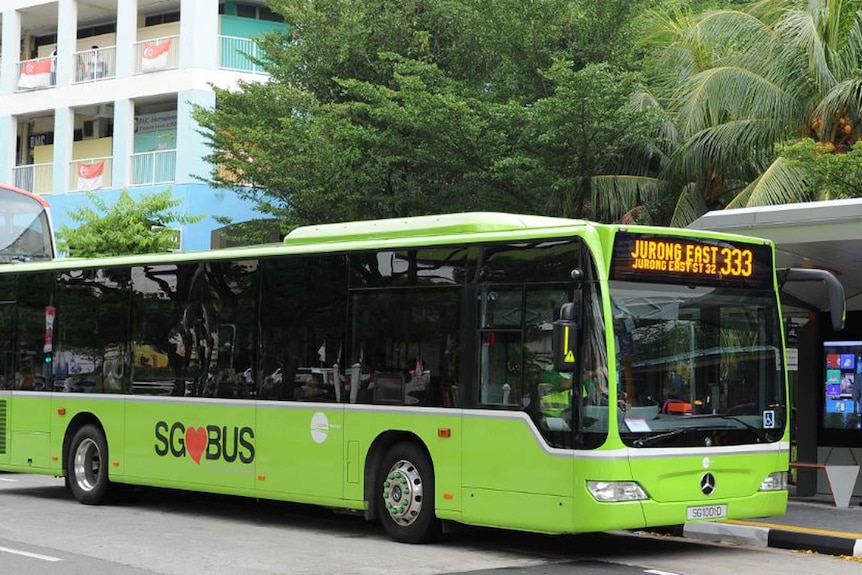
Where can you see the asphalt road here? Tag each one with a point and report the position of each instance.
(43, 530)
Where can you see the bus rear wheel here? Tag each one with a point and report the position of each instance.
(406, 494)
(87, 466)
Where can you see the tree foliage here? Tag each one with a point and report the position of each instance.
(123, 227)
(382, 108)
(830, 173)
(737, 83)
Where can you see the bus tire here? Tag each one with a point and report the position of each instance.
(87, 466)
(405, 494)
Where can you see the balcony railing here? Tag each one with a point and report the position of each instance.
(235, 53)
(90, 174)
(159, 167)
(157, 54)
(95, 64)
(37, 73)
(238, 54)
(35, 178)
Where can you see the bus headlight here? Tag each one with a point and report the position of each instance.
(605, 491)
(774, 482)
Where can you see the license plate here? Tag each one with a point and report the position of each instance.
(706, 512)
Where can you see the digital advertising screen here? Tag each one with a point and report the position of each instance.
(842, 384)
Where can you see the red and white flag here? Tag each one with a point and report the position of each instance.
(35, 74)
(155, 55)
(50, 314)
(90, 175)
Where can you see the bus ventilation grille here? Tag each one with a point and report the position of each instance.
(3, 427)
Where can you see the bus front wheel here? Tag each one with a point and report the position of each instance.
(406, 494)
(87, 466)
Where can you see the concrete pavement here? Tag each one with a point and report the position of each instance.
(811, 524)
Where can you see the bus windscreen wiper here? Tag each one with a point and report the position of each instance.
(645, 441)
(760, 433)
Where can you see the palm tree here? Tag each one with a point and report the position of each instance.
(735, 85)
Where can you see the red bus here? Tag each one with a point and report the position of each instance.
(25, 227)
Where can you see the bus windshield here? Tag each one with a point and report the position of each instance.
(25, 232)
(697, 365)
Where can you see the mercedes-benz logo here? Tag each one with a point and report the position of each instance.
(707, 483)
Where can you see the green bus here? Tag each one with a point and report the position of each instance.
(523, 372)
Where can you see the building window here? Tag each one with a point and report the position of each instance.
(97, 30)
(158, 19)
(88, 32)
(246, 11)
(257, 13)
(47, 40)
(264, 13)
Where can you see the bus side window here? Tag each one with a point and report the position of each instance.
(90, 330)
(405, 319)
(32, 362)
(302, 315)
(405, 347)
(8, 295)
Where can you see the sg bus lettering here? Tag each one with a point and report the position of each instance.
(212, 441)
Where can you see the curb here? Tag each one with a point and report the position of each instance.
(829, 543)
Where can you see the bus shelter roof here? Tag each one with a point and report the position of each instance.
(825, 235)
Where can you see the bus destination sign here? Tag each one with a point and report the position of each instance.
(655, 258)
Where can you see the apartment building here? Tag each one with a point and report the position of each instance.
(96, 95)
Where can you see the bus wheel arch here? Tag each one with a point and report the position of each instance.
(381, 444)
(77, 422)
(399, 487)
(85, 460)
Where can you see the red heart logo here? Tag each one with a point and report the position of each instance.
(196, 442)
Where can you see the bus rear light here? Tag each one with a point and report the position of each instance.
(61, 411)
(444, 432)
(774, 482)
(609, 491)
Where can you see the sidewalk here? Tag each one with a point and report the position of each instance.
(812, 524)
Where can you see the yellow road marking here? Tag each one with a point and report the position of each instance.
(811, 530)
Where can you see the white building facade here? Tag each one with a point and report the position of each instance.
(97, 95)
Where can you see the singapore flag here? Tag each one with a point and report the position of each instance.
(155, 55)
(35, 74)
(90, 175)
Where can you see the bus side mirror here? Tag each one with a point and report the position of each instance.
(834, 290)
(565, 339)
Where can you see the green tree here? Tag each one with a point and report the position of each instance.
(383, 108)
(737, 84)
(830, 173)
(124, 227)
